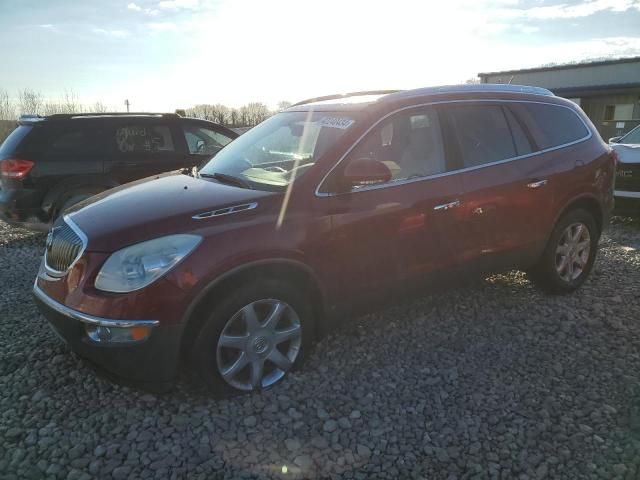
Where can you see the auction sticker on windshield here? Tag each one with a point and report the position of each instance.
(336, 122)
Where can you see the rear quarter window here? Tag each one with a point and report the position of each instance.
(551, 125)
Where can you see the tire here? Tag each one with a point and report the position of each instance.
(252, 347)
(556, 273)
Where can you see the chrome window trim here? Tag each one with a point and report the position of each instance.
(225, 211)
(85, 317)
(318, 193)
(55, 273)
(626, 194)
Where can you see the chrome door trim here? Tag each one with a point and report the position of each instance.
(447, 206)
(537, 184)
(624, 194)
(454, 172)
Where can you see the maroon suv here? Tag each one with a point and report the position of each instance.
(326, 208)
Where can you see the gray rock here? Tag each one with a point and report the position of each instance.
(363, 450)
(322, 414)
(250, 421)
(303, 461)
(121, 473)
(330, 426)
(344, 422)
(319, 443)
(292, 444)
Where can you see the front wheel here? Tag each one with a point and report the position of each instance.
(254, 337)
(569, 255)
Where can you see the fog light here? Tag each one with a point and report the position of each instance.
(103, 334)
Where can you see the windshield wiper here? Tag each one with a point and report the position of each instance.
(229, 179)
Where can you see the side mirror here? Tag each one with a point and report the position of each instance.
(200, 146)
(366, 171)
(614, 139)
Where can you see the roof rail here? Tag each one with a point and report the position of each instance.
(56, 116)
(345, 95)
(475, 87)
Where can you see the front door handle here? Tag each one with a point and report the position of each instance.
(537, 184)
(447, 206)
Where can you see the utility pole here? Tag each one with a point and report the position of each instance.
(126, 102)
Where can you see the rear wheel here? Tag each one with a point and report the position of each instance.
(254, 337)
(569, 255)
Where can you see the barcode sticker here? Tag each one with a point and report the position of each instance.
(336, 122)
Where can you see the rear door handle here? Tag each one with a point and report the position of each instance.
(447, 206)
(537, 184)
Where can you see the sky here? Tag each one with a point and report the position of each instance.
(168, 54)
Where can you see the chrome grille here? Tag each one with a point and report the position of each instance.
(64, 246)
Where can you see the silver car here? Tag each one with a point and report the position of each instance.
(627, 191)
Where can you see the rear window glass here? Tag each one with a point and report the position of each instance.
(551, 125)
(12, 142)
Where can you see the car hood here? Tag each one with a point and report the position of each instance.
(153, 207)
(627, 153)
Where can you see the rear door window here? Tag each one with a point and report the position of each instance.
(551, 125)
(520, 139)
(144, 139)
(483, 134)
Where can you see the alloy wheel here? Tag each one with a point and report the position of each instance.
(573, 251)
(259, 344)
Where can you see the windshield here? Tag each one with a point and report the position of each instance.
(279, 150)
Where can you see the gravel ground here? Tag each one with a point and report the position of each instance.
(494, 380)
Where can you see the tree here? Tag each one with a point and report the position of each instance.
(30, 102)
(99, 107)
(256, 112)
(283, 105)
(234, 117)
(7, 109)
(220, 114)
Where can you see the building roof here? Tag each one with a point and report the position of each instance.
(567, 66)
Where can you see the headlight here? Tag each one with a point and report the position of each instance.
(135, 267)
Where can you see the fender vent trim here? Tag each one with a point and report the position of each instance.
(225, 211)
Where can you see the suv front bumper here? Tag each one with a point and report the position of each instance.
(150, 362)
